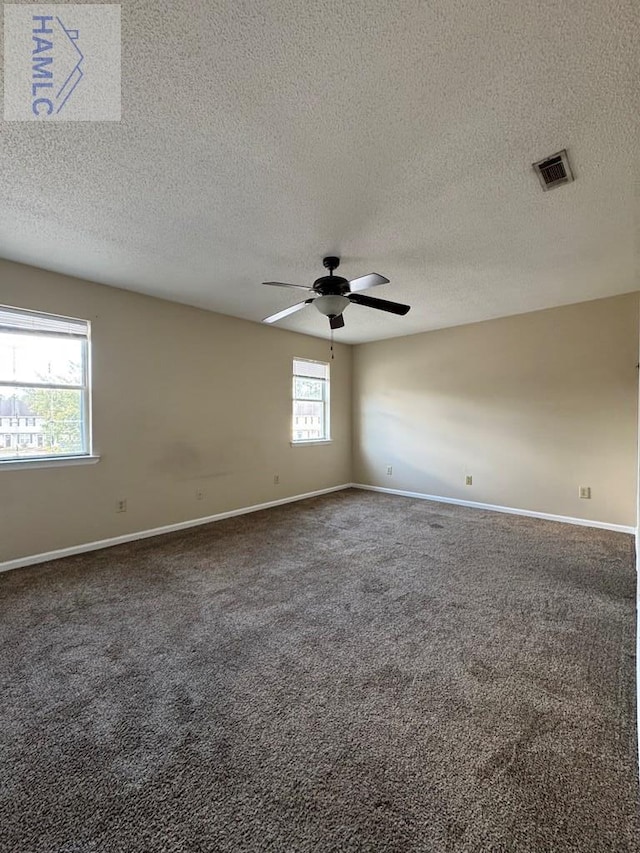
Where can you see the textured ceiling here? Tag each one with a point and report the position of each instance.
(258, 137)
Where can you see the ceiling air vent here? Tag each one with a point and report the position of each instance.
(554, 171)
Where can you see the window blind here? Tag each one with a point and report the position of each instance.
(17, 320)
(314, 369)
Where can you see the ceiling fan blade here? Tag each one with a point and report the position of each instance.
(285, 313)
(367, 281)
(380, 304)
(283, 284)
(336, 322)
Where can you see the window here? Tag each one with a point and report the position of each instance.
(44, 384)
(310, 401)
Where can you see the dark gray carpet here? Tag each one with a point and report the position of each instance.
(356, 672)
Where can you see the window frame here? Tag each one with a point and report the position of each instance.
(326, 402)
(87, 455)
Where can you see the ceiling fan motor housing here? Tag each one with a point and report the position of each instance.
(331, 285)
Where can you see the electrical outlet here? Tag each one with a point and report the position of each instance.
(389, 470)
(584, 492)
(199, 495)
(276, 479)
(468, 480)
(121, 505)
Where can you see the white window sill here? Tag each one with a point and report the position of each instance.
(313, 441)
(48, 462)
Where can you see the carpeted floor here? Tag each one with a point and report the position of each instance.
(356, 672)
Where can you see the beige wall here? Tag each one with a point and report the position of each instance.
(183, 400)
(531, 406)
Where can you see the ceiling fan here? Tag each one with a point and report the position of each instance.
(332, 294)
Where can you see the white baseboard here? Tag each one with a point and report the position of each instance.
(157, 531)
(564, 519)
(184, 525)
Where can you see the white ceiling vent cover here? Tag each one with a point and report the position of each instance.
(554, 171)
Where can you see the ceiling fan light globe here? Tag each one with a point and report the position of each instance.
(331, 306)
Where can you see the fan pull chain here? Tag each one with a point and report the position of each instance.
(331, 344)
